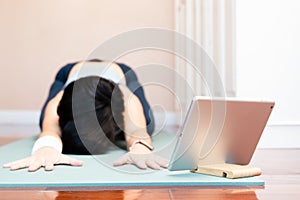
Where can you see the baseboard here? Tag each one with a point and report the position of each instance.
(279, 135)
(166, 119)
(24, 117)
(32, 117)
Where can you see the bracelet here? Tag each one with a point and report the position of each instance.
(143, 142)
(47, 141)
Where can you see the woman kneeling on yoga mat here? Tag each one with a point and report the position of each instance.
(91, 107)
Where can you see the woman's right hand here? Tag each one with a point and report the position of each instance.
(45, 157)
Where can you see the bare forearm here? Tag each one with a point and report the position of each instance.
(50, 126)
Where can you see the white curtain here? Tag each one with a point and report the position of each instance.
(211, 24)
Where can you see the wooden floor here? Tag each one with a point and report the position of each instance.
(281, 172)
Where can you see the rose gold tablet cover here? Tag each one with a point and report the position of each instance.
(220, 130)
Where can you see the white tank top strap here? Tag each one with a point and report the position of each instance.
(101, 70)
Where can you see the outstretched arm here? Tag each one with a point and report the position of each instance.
(47, 149)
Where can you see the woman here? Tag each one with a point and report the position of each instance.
(92, 105)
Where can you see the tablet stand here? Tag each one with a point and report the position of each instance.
(228, 170)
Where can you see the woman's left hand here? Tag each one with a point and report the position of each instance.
(143, 158)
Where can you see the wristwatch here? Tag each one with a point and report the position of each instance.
(143, 142)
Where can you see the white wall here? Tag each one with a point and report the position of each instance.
(37, 37)
(268, 63)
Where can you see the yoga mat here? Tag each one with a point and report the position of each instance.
(98, 170)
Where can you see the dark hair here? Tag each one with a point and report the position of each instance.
(83, 101)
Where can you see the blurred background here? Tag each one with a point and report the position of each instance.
(254, 45)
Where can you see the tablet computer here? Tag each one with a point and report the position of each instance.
(220, 130)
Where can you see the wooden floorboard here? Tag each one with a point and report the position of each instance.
(281, 172)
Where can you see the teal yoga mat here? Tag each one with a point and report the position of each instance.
(98, 171)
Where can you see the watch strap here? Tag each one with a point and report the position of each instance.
(143, 142)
